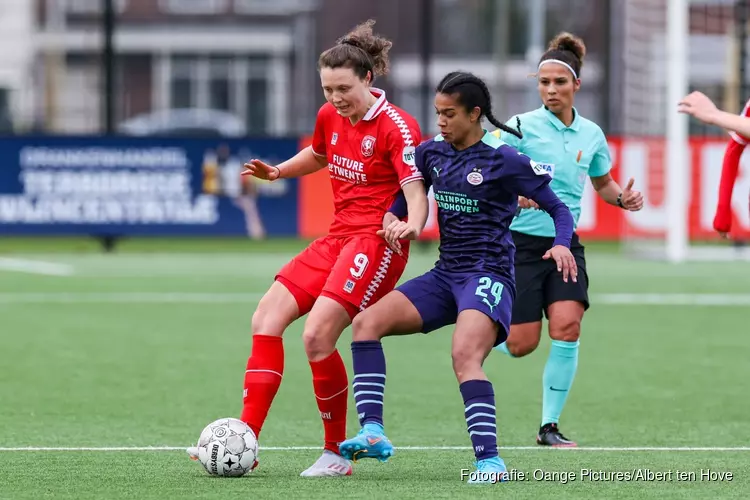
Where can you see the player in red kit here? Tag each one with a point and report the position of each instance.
(701, 107)
(729, 170)
(368, 145)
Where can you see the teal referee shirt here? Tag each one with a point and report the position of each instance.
(570, 154)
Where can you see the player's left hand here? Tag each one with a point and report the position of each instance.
(398, 230)
(565, 261)
(632, 200)
(388, 219)
(698, 105)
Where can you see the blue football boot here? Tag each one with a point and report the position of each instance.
(489, 471)
(370, 442)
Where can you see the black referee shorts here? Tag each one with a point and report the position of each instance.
(538, 282)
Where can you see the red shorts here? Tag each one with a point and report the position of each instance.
(356, 271)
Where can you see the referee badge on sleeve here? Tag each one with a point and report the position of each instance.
(543, 168)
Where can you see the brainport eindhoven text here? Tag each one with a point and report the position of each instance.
(594, 475)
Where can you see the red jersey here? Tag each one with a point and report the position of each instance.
(737, 137)
(368, 162)
(729, 170)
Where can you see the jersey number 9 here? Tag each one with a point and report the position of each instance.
(360, 264)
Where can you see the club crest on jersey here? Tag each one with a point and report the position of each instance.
(334, 138)
(475, 177)
(368, 146)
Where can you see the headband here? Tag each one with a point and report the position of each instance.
(559, 62)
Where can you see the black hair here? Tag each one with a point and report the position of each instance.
(473, 93)
(360, 50)
(567, 48)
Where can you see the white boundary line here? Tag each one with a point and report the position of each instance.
(129, 298)
(675, 299)
(36, 267)
(624, 299)
(400, 448)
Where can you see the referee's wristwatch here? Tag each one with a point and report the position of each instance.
(619, 201)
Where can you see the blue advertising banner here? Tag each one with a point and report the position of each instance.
(143, 186)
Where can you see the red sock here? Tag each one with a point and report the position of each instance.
(331, 386)
(265, 368)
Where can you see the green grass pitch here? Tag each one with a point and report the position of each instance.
(105, 354)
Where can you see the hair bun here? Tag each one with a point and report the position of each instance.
(568, 42)
(375, 46)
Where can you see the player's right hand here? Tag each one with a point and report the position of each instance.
(261, 170)
(398, 230)
(524, 202)
(565, 261)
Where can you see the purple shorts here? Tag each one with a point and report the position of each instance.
(440, 296)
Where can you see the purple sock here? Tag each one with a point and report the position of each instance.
(479, 403)
(369, 380)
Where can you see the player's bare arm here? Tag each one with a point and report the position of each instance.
(395, 229)
(699, 106)
(416, 202)
(303, 163)
(612, 193)
(731, 122)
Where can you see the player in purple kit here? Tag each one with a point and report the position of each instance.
(476, 179)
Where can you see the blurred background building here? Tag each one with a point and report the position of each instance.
(252, 63)
(80, 78)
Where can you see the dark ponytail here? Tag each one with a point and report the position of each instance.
(472, 93)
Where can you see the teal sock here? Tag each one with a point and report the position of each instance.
(558, 378)
(504, 348)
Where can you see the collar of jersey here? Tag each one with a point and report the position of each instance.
(560, 125)
(379, 105)
(488, 138)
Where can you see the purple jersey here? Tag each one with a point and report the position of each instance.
(477, 191)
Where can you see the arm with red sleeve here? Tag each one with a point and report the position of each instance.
(403, 155)
(312, 158)
(399, 206)
(729, 169)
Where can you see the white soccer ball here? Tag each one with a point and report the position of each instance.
(228, 447)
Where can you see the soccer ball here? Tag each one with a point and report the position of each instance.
(228, 447)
